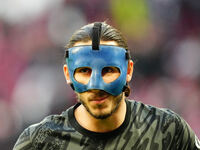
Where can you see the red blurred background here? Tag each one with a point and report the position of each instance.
(163, 37)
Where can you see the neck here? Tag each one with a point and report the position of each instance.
(87, 121)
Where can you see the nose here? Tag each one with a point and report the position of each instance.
(95, 80)
(94, 91)
(98, 93)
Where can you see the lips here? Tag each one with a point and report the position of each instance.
(99, 100)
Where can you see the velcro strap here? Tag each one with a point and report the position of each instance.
(72, 86)
(96, 33)
(66, 54)
(128, 55)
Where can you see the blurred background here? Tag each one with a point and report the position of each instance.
(163, 37)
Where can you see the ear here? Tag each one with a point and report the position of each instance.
(66, 73)
(129, 70)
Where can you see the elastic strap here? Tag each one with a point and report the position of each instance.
(96, 33)
(66, 54)
(128, 55)
(126, 90)
(72, 86)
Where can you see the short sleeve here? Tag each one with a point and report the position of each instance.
(24, 141)
(185, 136)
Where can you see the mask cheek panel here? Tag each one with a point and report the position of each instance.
(82, 74)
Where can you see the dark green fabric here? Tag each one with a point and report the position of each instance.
(145, 128)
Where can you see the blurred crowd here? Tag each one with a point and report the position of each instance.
(163, 37)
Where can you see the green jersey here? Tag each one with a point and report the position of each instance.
(145, 128)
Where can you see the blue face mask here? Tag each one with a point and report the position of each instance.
(106, 56)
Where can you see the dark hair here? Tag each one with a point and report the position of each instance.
(108, 33)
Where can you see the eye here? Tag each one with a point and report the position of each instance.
(83, 70)
(109, 70)
(82, 74)
(110, 74)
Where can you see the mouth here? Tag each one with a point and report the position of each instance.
(99, 100)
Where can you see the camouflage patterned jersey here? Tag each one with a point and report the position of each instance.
(145, 128)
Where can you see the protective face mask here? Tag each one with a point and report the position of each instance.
(106, 56)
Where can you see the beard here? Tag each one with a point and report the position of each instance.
(117, 100)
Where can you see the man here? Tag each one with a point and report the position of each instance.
(99, 69)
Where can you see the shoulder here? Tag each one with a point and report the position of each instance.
(164, 115)
(52, 123)
(165, 121)
(153, 117)
(140, 108)
(38, 132)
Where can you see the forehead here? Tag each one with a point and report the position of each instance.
(114, 43)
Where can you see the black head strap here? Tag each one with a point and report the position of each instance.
(66, 54)
(72, 86)
(96, 35)
(128, 55)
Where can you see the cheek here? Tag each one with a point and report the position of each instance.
(110, 78)
(83, 96)
(84, 79)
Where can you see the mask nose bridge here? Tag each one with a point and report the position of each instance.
(96, 80)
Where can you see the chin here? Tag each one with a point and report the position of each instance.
(103, 113)
(101, 116)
